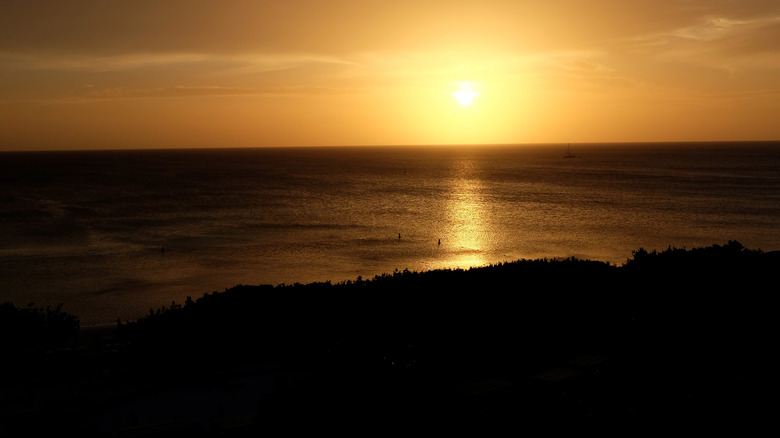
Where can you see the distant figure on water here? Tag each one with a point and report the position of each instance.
(439, 242)
(163, 250)
(399, 236)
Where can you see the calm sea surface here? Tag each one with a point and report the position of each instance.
(111, 234)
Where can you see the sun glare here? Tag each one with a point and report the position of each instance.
(466, 93)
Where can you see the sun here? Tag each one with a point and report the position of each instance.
(465, 97)
(466, 93)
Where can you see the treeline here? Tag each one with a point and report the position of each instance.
(542, 307)
(470, 320)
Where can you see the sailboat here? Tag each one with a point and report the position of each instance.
(568, 153)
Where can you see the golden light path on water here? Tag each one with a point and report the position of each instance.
(468, 238)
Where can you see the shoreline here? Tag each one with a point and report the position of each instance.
(105, 326)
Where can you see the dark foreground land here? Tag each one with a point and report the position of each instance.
(672, 338)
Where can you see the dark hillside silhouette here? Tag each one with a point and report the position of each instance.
(678, 335)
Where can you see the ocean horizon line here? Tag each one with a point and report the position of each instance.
(401, 146)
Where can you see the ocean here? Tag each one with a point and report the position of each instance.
(111, 234)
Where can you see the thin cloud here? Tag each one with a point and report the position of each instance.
(710, 29)
(248, 62)
(207, 90)
(180, 91)
(709, 34)
(689, 55)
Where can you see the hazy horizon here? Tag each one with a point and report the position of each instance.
(195, 74)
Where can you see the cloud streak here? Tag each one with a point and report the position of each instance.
(205, 90)
(712, 39)
(138, 61)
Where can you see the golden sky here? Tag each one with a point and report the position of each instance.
(204, 73)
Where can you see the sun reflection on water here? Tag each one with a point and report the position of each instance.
(467, 214)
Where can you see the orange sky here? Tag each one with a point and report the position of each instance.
(202, 73)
